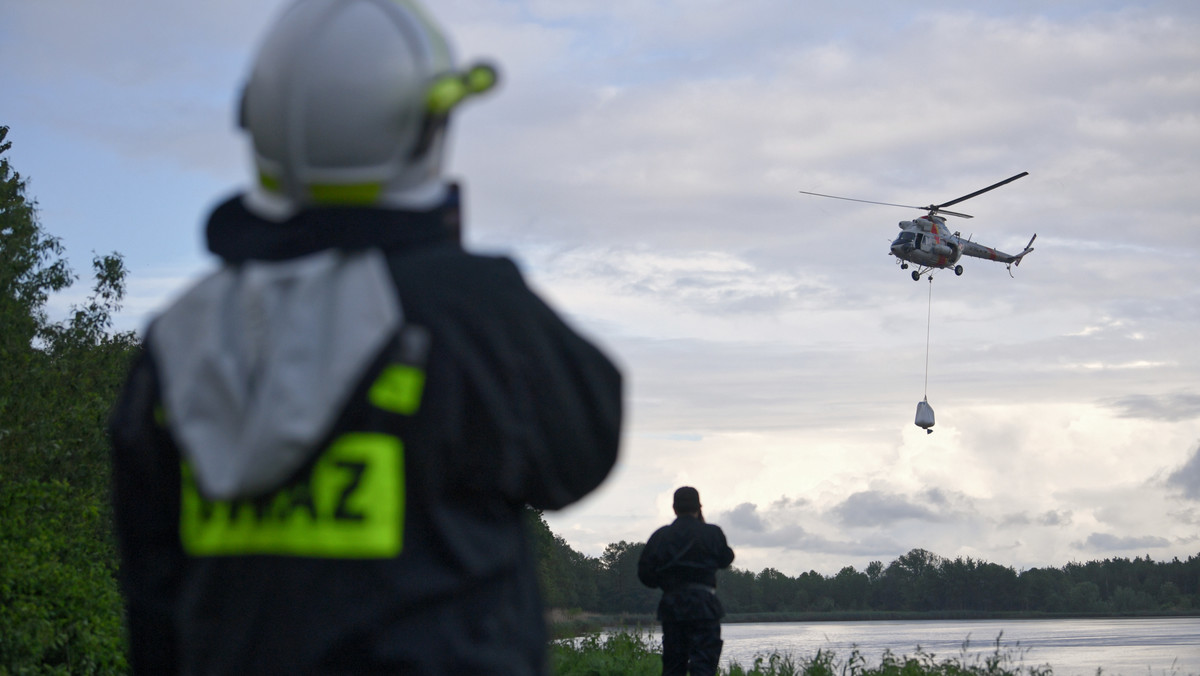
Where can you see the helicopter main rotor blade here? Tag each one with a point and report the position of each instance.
(931, 208)
(980, 192)
(851, 199)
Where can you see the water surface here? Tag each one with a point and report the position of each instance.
(1118, 646)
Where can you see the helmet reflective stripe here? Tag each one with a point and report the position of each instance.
(355, 194)
(338, 101)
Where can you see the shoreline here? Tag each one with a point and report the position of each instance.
(569, 624)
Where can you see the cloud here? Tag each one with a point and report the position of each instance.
(1175, 407)
(875, 508)
(745, 517)
(640, 161)
(711, 282)
(1102, 542)
(787, 502)
(1015, 519)
(1187, 477)
(1189, 516)
(1051, 517)
(776, 528)
(1056, 518)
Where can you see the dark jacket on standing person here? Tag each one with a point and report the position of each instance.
(324, 451)
(682, 559)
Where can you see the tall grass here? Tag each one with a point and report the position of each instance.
(619, 653)
(635, 653)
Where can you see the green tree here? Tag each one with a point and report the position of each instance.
(1084, 597)
(30, 268)
(874, 571)
(776, 590)
(59, 604)
(620, 589)
(1126, 600)
(568, 579)
(998, 587)
(738, 591)
(912, 582)
(1169, 596)
(1044, 589)
(814, 592)
(875, 576)
(850, 589)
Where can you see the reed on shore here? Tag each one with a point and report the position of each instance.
(636, 653)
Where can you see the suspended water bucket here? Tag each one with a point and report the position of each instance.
(924, 416)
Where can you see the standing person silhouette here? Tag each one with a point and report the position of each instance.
(682, 559)
(323, 453)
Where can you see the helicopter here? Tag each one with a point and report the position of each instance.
(928, 244)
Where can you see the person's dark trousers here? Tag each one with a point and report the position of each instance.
(694, 644)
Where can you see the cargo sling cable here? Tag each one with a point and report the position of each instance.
(928, 322)
(924, 418)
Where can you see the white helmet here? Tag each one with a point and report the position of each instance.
(347, 104)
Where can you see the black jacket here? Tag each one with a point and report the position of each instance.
(512, 407)
(682, 559)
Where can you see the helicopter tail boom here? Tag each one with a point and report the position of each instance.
(979, 251)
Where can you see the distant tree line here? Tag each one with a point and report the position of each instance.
(919, 581)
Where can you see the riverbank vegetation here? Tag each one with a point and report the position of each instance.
(634, 653)
(60, 611)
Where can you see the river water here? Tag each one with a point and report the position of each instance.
(1118, 646)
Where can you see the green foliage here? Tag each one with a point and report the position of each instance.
(620, 589)
(59, 603)
(622, 653)
(1000, 662)
(568, 579)
(30, 267)
(917, 582)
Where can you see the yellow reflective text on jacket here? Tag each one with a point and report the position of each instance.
(351, 505)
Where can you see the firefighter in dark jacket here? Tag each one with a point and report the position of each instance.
(324, 451)
(682, 559)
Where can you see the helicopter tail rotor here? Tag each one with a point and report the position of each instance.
(1017, 259)
(1028, 249)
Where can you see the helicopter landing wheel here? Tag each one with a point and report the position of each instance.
(904, 266)
(916, 276)
(958, 270)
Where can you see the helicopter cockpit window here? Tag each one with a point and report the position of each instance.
(904, 237)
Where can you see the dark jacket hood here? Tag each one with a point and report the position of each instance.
(236, 234)
(258, 358)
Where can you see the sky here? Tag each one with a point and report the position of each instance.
(642, 161)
